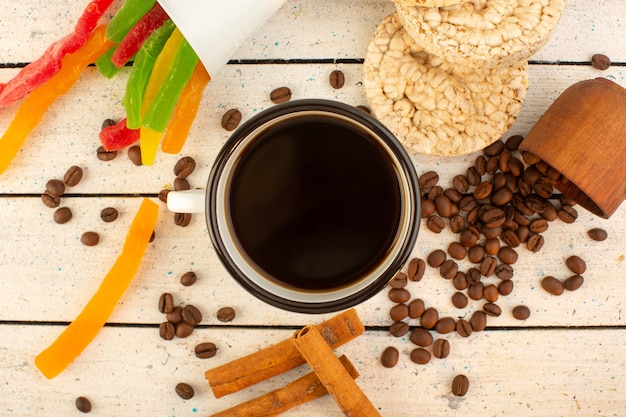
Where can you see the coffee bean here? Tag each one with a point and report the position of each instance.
(460, 183)
(430, 318)
(600, 61)
(455, 198)
(459, 300)
(476, 254)
(163, 195)
(476, 291)
(226, 314)
(504, 272)
(463, 328)
(457, 250)
(134, 154)
(521, 312)
(478, 321)
(109, 214)
(523, 233)
(495, 148)
(55, 187)
(510, 238)
(73, 176)
(443, 205)
(494, 217)
(460, 385)
(473, 177)
(467, 203)
(469, 237)
(105, 155)
(488, 266)
(399, 295)
(50, 200)
(505, 287)
(167, 330)
(436, 258)
(280, 95)
(597, 234)
(502, 196)
(516, 167)
(445, 325)
(576, 264)
(421, 337)
(483, 190)
(457, 223)
(574, 282)
(166, 303)
(389, 357)
(398, 328)
(175, 316)
(543, 188)
(460, 281)
(62, 215)
(416, 308)
(182, 219)
(428, 180)
(549, 212)
(492, 246)
(492, 309)
(435, 224)
(552, 285)
(507, 255)
(90, 238)
(337, 79)
(492, 165)
(188, 278)
(183, 329)
(152, 236)
(184, 390)
(473, 276)
(420, 356)
(106, 123)
(568, 214)
(231, 119)
(184, 167)
(513, 142)
(428, 208)
(434, 192)
(416, 269)
(191, 315)
(83, 405)
(399, 280)
(448, 269)
(490, 293)
(534, 243)
(441, 348)
(399, 312)
(181, 184)
(205, 350)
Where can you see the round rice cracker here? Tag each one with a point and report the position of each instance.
(432, 106)
(483, 33)
(431, 3)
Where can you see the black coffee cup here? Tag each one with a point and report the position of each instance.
(313, 206)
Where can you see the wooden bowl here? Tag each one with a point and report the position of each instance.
(583, 136)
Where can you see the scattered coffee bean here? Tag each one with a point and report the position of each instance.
(428, 180)
(188, 278)
(420, 356)
(534, 242)
(50, 200)
(416, 270)
(490, 293)
(421, 337)
(473, 276)
(436, 258)
(460, 385)
(461, 184)
(90, 238)
(445, 325)
(107, 123)
(448, 269)
(167, 330)
(597, 234)
(492, 246)
(492, 309)
(521, 312)
(494, 148)
(109, 214)
(463, 328)
(459, 300)
(600, 61)
(166, 303)
(428, 208)
(476, 254)
(574, 282)
(83, 404)
(478, 321)
(488, 266)
(460, 281)
(62, 215)
(435, 224)
(398, 328)
(483, 190)
(444, 206)
(399, 312)
(576, 264)
(441, 348)
(181, 184)
(231, 119)
(457, 250)
(55, 187)
(182, 219)
(105, 155)
(416, 308)
(399, 295)
(226, 314)
(430, 318)
(507, 255)
(505, 287)
(513, 142)
(337, 79)
(469, 237)
(504, 271)
(568, 214)
(184, 167)
(476, 291)
(175, 316)
(389, 357)
(184, 329)
(205, 350)
(457, 223)
(73, 176)
(399, 280)
(191, 315)
(184, 391)
(163, 195)
(552, 285)
(280, 95)
(134, 154)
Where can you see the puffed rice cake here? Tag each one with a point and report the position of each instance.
(483, 33)
(431, 3)
(434, 107)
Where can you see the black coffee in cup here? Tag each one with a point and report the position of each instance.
(314, 202)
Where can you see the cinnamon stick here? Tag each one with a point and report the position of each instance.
(298, 392)
(340, 385)
(283, 356)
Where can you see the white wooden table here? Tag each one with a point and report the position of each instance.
(566, 359)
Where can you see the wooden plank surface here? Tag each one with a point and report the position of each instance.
(566, 359)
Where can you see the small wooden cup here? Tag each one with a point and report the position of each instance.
(583, 136)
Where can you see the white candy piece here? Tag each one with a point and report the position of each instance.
(483, 33)
(435, 107)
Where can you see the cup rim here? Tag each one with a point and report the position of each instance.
(405, 245)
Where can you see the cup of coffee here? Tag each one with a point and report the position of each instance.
(313, 206)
